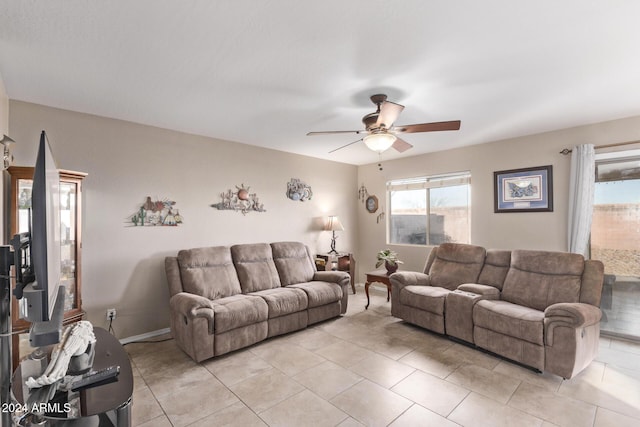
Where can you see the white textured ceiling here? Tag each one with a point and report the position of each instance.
(267, 72)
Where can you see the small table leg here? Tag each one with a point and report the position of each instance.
(366, 291)
(388, 292)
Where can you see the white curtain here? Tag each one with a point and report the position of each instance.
(581, 189)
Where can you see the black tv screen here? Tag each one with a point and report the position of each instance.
(45, 233)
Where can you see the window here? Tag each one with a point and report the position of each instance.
(429, 210)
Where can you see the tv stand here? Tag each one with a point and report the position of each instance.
(111, 402)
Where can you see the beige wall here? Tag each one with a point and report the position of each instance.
(123, 266)
(4, 109)
(543, 230)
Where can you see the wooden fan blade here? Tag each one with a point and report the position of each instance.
(428, 127)
(333, 132)
(401, 145)
(344, 146)
(389, 112)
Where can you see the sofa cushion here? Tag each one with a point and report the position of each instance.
(429, 298)
(538, 279)
(592, 282)
(208, 272)
(495, 268)
(455, 264)
(282, 301)
(320, 293)
(237, 311)
(255, 267)
(510, 319)
(293, 262)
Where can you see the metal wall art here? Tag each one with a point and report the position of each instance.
(363, 193)
(298, 190)
(156, 213)
(240, 200)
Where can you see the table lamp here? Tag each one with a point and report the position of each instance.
(333, 225)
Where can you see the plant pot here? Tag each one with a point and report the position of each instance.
(391, 268)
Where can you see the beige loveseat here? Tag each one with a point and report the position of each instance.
(226, 298)
(538, 308)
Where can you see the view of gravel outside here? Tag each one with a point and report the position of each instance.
(615, 238)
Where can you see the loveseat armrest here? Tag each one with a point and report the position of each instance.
(401, 279)
(398, 282)
(489, 292)
(193, 306)
(573, 315)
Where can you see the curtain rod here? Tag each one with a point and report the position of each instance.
(618, 144)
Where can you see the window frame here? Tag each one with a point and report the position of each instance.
(427, 183)
(610, 158)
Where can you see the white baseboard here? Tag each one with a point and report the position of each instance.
(145, 336)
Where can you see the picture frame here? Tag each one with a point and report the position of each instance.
(523, 190)
(371, 204)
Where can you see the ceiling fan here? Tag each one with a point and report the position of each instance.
(380, 133)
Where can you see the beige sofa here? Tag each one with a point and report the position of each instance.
(538, 308)
(226, 298)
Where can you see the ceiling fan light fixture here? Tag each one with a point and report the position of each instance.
(379, 142)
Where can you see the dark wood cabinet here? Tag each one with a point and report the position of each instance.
(70, 240)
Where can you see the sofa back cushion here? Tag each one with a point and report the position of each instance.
(293, 262)
(430, 258)
(537, 279)
(208, 272)
(455, 264)
(495, 268)
(255, 267)
(592, 282)
(172, 270)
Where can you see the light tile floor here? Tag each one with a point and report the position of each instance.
(369, 368)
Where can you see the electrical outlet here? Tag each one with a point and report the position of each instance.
(111, 313)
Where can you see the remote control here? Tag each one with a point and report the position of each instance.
(95, 377)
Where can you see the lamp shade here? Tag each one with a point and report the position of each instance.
(379, 142)
(6, 140)
(334, 224)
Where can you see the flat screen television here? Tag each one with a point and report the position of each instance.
(42, 301)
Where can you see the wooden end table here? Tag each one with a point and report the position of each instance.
(379, 276)
(346, 262)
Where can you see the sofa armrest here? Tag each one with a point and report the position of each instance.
(341, 278)
(401, 279)
(193, 306)
(489, 292)
(571, 315)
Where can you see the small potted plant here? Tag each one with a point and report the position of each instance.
(390, 260)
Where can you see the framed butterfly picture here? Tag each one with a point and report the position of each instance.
(524, 190)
